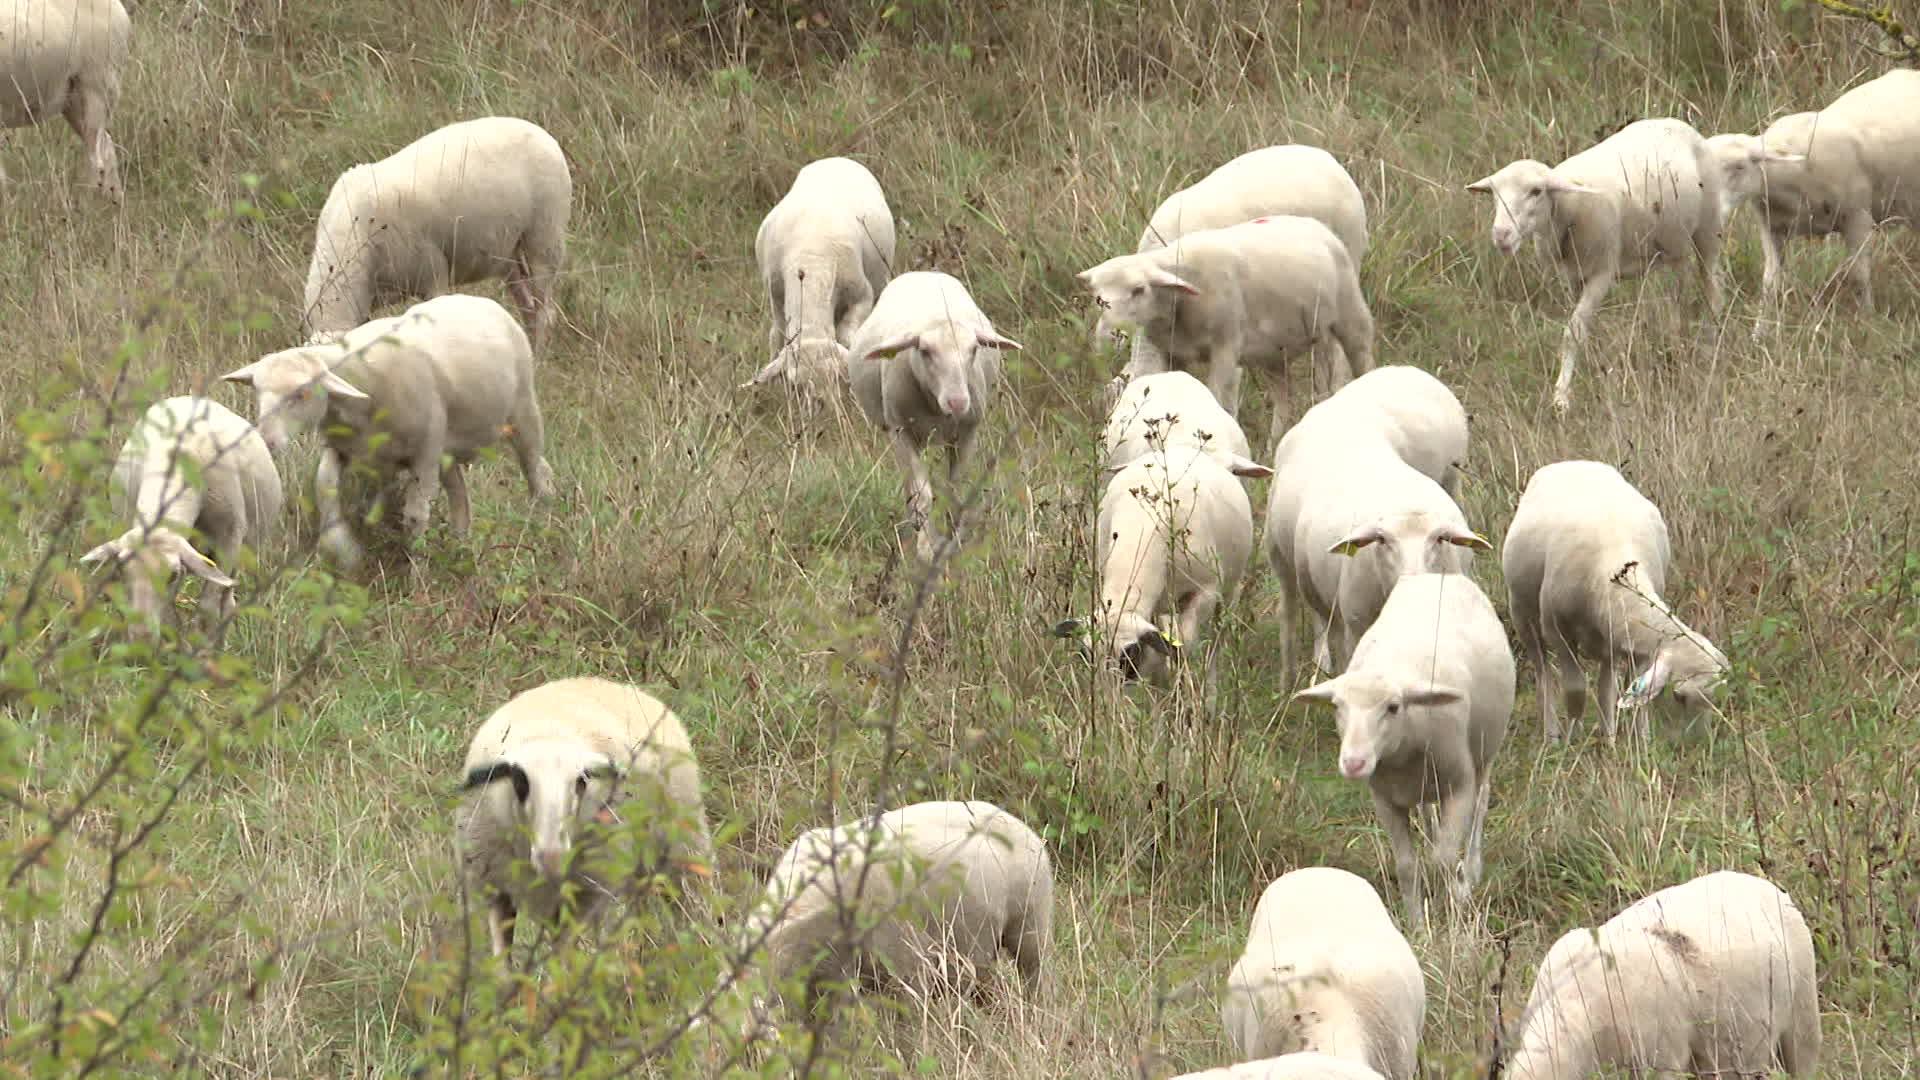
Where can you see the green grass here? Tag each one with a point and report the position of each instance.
(709, 546)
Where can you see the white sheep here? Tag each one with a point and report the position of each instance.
(448, 377)
(474, 200)
(1713, 977)
(1846, 168)
(923, 899)
(234, 500)
(825, 252)
(1367, 474)
(1647, 195)
(1422, 709)
(1260, 291)
(1303, 1066)
(1586, 561)
(1325, 970)
(1166, 410)
(1175, 533)
(924, 367)
(1287, 179)
(557, 775)
(63, 58)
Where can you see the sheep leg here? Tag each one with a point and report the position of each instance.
(416, 505)
(1773, 243)
(919, 491)
(1026, 939)
(1526, 626)
(1355, 337)
(1579, 325)
(1477, 834)
(500, 918)
(335, 538)
(1573, 685)
(1609, 699)
(1858, 230)
(1223, 378)
(1455, 832)
(1196, 612)
(459, 511)
(527, 432)
(1285, 601)
(1405, 864)
(86, 113)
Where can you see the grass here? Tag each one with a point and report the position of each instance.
(715, 549)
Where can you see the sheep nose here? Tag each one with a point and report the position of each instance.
(955, 404)
(1353, 766)
(1503, 239)
(551, 862)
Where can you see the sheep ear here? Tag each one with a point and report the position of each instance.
(243, 375)
(1647, 686)
(1163, 278)
(1433, 695)
(775, 368)
(340, 387)
(1240, 466)
(1556, 182)
(201, 566)
(1482, 186)
(1471, 540)
(993, 340)
(1322, 692)
(896, 346)
(1354, 542)
(1159, 642)
(1070, 628)
(112, 549)
(1777, 157)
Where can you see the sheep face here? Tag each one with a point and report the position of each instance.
(1134, 292)
(155, 556)
(1371, 714)
(1415, 543)
(290, 389)
(560, 791)
(817, 364)
(1523, 194)
(941, 358)
(1693, 666)
(1133, 643)
(1742, 160)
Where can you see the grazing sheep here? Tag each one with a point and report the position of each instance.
(237, 498)
(554, 773)
(825, 252)
(449, 376)
(1367, 473)
(1422, 708)
(1167, 410)
(921, 899)
(1714, 977)
(1586, 565)
(923, 367)
(474, 200)
(1290, 179)
(1646, 195)
(1176, 530)
(1846, 168)
(1288, 1067)
(1261, 291)
(63, 57)
(1325, 970)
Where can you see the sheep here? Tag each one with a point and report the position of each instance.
(1175, 534)
(1268, 182)
(1713, 977)
(449, 376)
(234, 500)
(938, 391)
(551, 775)
(825, 252)
(1648, 194)
(1166, 410)
(1585, 561)
(1368, 473)
(473, 200)
(1422, 709)
(1306, 1066)
(1261, 290)
(922, 899)
(1326, 971)
(63, 57)
(1846, 168)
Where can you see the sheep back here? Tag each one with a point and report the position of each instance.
(1304, 181)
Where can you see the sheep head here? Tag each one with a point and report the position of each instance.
(290, 389)
(559, 789)
(155, 556)
(1134, 292)
(1415, 542)
(941, 357)
(1371, 713)
(1523, 194)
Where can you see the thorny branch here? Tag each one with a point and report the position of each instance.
(1882, 17)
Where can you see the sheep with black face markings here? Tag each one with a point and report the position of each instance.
(1713, 977)
(553, 774)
